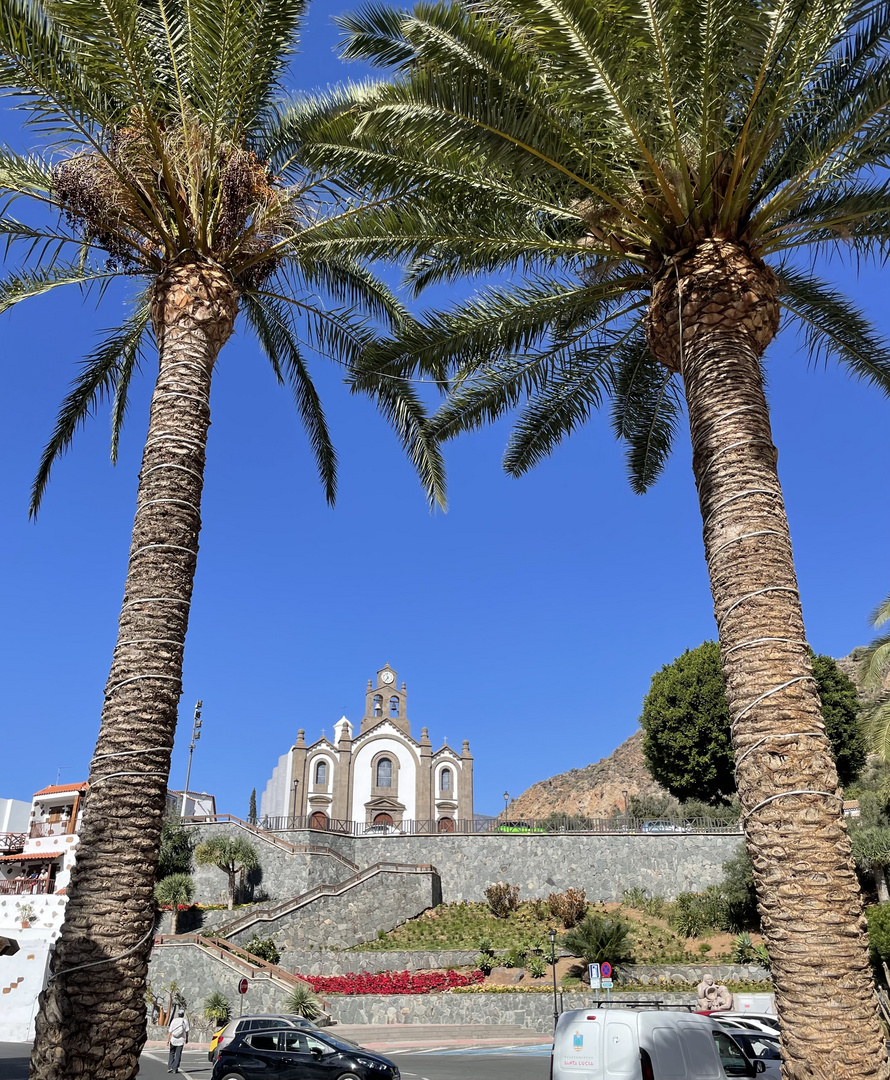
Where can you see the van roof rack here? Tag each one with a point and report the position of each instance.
(605, 1002)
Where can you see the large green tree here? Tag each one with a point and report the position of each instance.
(685, 718)
(161, 158)
(232, 854)
(652, 168)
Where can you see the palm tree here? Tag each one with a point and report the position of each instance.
(232, 854)
(175, 889)
(166, 163)
(651, 168)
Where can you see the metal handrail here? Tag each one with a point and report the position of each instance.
(512, 824)
(240, 957)
(269, 914)
(269, 836)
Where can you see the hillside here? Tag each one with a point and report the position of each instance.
(596, 790)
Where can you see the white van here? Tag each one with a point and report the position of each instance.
(645, 1044)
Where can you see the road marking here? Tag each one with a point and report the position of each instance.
(164, 1058)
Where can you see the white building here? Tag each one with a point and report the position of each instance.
(381, 776)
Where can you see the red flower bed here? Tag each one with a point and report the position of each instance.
(392, 982)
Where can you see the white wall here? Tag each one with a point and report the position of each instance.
(15, 815)
(362, 780)
(22, 977)
(275, 800)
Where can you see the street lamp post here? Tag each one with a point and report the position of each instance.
(295, 805)
(506, 803)
(553, 968)
(196, 734)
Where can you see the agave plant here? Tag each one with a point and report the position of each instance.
(303, 1001)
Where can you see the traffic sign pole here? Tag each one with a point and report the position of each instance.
(242, 990)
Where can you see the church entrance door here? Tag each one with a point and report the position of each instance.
(319, 820)
(383, 819)
(446, 824)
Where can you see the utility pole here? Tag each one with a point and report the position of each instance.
(196, 734)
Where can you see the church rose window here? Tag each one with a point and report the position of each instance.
(393, 706)
(321, 772)
(446, 780)
(384, 773)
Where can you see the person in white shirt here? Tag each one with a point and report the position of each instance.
(177, 1037)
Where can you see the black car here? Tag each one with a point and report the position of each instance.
(298, 1054)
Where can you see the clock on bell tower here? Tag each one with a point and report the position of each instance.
(385, 701)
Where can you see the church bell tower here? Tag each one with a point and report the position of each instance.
(386, 701)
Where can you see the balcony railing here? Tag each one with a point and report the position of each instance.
(23, 886)
(494, 826)
(11, 843)
(51, 828)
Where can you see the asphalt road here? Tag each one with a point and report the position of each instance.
(504, 1062)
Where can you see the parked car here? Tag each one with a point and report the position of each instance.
(256, 1022)
(748, 1023)
(663, 826)
(517, 827)
(763, 1021)
(298, 1054)
(591, 1044)
(759, 1046)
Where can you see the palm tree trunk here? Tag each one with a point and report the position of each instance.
(231, 874)
(92, 1018)
(722, 302)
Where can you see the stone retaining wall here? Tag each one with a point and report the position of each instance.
(197, 974)
(690, 973)
(529, 1010)
(665, 864)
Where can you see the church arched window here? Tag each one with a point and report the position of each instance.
(378, 705)
(393, 706)
(445, 780)
(321, 772)
(384, 772)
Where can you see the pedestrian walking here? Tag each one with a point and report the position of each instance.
(177, 1037)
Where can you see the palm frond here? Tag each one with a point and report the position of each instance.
(272, 325)
(99, 379)
(403, 407)
(27, 283)
(833, 326)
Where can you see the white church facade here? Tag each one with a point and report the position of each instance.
(380, 776)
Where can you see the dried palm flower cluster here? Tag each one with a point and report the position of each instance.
(155, 190)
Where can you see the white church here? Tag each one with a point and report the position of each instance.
(380, 777)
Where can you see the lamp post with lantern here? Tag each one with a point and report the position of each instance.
(553, 968)
(506, 804)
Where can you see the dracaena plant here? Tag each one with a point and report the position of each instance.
(649, 178)
(162, 161)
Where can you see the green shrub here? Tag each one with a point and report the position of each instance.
(878, 917)
(540, 909)
(484, 946)
(654, 906)
(597, 938)
(303, 1001)
(537, 967)
(502, 899)
(514, 958)
(635, 897)
(485, 962)
(743, 950)
(217, 1008)
(264, 948)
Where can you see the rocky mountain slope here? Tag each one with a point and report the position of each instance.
(595, 790)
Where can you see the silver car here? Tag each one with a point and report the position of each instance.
(759, 1046)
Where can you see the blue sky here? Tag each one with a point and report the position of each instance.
(529, 619)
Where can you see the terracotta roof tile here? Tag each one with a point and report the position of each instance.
(57, 789)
